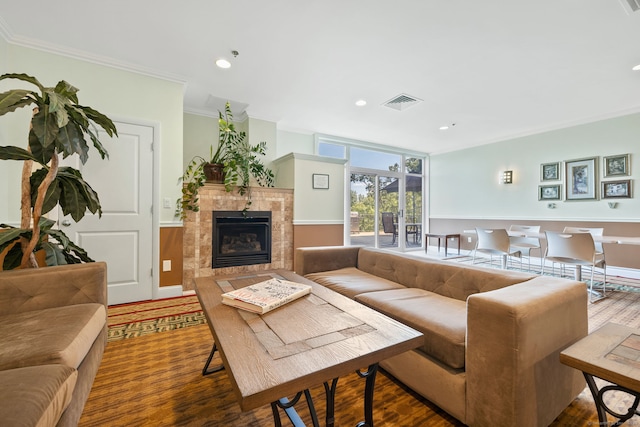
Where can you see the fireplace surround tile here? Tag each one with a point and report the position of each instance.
(197, 249)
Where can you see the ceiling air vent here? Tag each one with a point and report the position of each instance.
(402, 102)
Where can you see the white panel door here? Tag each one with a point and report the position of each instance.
(123, 235)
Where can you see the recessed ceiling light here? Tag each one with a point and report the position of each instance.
(223, 63)
(636, 68)
(444, 127)
(361, 102)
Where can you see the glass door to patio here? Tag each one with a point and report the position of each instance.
(382, 214)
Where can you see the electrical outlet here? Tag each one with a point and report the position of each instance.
(469, 239)
(166, 203)
(166, 265)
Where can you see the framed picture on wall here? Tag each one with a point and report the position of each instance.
(550, 192)
(616, 165)
(616, 189)
(321, 181)
(581, 177)
(550, 171)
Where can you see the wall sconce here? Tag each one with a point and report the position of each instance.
(507, 177)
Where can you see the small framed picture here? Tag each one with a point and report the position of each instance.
(581, 179)
(550, 171)
(616, 189)
(550, 192)
(321, 181)
(617, 165)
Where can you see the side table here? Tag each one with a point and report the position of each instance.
(446, 238)
(611, 353)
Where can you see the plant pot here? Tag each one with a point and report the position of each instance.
(214, 172)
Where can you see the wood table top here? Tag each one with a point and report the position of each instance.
(611, 353)
(302, 344)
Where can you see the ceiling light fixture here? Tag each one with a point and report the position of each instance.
(223, 63)
(361, 102)
(636, 68)
(445, 127)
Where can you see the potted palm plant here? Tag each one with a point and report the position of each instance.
(59, 126)
(234, 163)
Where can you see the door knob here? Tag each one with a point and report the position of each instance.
(66, 222)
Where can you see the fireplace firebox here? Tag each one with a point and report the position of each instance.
(241, 238)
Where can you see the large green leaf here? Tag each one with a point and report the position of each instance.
(67, 90)
(15, 153)
(57, 104)
(73, 253)
(24, 77)
(53, 192)
(90, 196)
(13, 258)
(72, 199)
(71, 141)
(54, 254)
(9, 234)
(42, 154)
(103, 121)
(45, 126)
(14, 99)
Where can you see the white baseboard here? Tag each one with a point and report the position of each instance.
(168, 292)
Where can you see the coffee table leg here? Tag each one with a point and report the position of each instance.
(602, 408)
(206, 370)
(330, 393)
(370, 376)
(290, 410)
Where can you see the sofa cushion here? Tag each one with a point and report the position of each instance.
(442, 320)
(35, 395)
(350, 281)
(442, 277)
(60, 335)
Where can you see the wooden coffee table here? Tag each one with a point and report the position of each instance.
(305, 343)
(611, 353)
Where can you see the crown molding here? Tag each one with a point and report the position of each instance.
(10, 38)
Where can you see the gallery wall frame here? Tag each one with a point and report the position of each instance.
(581, 178)
(619, 165)
(550, 192)
(616, 189)
(320, 181)
(550, 171)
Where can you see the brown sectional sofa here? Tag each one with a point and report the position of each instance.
(53, 331)
(492, 337)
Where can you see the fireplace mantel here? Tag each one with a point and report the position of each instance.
(197, 248)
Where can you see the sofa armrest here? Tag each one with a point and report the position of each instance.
(514, 338)
(325, 258)
(47, 287)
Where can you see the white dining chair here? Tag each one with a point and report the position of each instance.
(495, 242)
(578, 250)
(594, 231)
(526, 243)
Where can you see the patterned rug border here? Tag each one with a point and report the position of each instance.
(135, 319)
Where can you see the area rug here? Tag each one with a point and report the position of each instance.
(147, 317)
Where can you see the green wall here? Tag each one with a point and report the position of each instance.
(464, 184)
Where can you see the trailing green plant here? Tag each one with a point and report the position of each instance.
(59, 126)
(241, 162)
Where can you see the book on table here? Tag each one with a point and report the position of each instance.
(265, 296)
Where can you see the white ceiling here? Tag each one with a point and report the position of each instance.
(496, 68)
